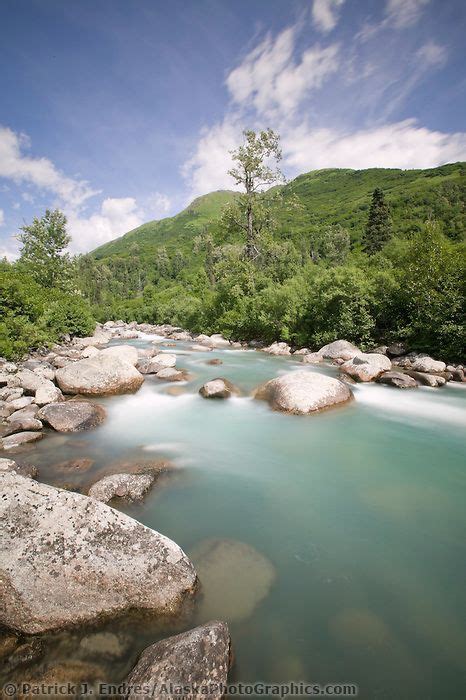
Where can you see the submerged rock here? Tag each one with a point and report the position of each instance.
(303, 392)
(398, 379)
(199, 658)
(9, 465)
(129, 486)
(214, 361)
(99, 376)
(170, 374)
(68, 559)
(74, 465)
(367, 366)
(72, 416)
(219, 388)
(234, 578)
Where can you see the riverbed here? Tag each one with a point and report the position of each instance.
(357, 515)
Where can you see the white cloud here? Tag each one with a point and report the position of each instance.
(404, 13)
(2, 217)
(41, 172)
(400, 145)
(9, 248)
(432, 54)
(116, 217)
(272, 81)
(158, 205)
(325, 14)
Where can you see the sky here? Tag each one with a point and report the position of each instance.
(122, 111)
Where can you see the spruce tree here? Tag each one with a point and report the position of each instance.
(379, 225)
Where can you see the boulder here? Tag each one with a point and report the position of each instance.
(72, 416)
(163, 360)
(22, 402)
(99, 376)
(312, 358)
(68, 559)
(129, 486)
(219, 388)
(427, 364)
(339, 349)
(126, 353)
(181, 335)
(22, 424)
(9, 465)
(170, 374)
(29, 380)
(218, 341)
(396, 349)
(398, 379)
(278, 349)
(303, 392)
(18, 439)
(99, 338)
(90, 351)
(48, 393)
(199, 658)
(26, 412)
(367, 366)
(433, 380)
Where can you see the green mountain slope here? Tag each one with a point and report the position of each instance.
(332, 196)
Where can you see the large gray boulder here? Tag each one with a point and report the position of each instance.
(339, 350)
(398, 379)
(99, 376)
(366, 367)
(219, 388)
(427, 364)
(67, 559)
(126, 353)
(278, 349)
(72, 416)
(199, 658)
(129, 486)
(303, 392)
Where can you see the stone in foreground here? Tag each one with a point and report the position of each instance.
(303, 392)
(19, 439)
(72, 416)
(218, 389)
(68, 559)
(99, 376)
(9, 465)
(199, 658)
(130, 486)
(367, 366)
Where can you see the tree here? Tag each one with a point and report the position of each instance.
(42, 253)
(253, 172)
(379, 224)
(162, 263)
(331, 243)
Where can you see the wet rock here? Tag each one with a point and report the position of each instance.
(9, 465)
(219, 388)
(23, 424)
(18, 439)
(218, 341)
(339, 349)
(312, 358)
(170, 374)
(99, 376)
(8, 643)
(72, 416)
(425, 379)
(195, 659)
(125, 353)
(103, 644)
(132, 487)
(48, 393)
(427, 364)
(161, 361)
(74, 465)
(457, 375)
(214, 361)
(303, 392)
(73, 674)
(302, 351)
(278, 349)
(366, 367)
(180, 335)
(398, 379)
(26, 653)
(68, 559)
(225, 593)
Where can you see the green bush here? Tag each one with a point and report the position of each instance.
(67, 314)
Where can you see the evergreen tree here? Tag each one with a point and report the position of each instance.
(379, 224)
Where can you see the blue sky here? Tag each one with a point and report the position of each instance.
(121, 111)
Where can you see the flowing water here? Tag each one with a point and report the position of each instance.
(339, 538)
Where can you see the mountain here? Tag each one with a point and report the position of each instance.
(330, 196)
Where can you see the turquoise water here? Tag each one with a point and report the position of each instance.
(358, 510)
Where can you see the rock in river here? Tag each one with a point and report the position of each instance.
(99, 376)
(72, 416)
(130, 486)
(199, 658)
(125, 353)
(339, 349)
(303, 392)
(366, 366)
(218, 389)
(68, 559)
(398, 379)
(18, 439)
